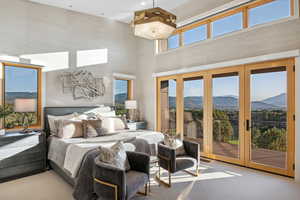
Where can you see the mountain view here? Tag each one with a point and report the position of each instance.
(11, 96)
(230, 103)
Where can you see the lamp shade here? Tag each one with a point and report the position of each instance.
(25, 105)
(154, 23)
(131, 104)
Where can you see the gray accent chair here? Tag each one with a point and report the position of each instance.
(111, 183)
(168, 160)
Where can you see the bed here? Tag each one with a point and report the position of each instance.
(65, 156)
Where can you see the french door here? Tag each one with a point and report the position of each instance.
(242, 114)
(269, 116)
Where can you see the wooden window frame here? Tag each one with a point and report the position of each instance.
(243, 71)
(38, 125)
(129, 87)
(208, 21)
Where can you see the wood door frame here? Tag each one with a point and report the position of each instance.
(235, 69)
(289, 64)
(244, 99)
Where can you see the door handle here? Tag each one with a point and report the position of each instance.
(248, 125)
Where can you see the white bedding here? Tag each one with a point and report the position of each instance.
(76, 148)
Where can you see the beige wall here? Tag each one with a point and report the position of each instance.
(29, 28)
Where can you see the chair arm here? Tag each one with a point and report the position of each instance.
(166, 157)
(109, 181)
(139, 162)
(192, 149)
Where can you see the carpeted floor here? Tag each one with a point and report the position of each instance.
(218, 181)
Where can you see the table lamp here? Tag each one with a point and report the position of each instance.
(25, 106)
(131, 105)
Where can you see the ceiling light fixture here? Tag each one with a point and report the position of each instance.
(154, 23)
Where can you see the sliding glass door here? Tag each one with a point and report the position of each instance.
(193, 110)
(269, 121)
(243, 114)
(226, 115)
(167, 105)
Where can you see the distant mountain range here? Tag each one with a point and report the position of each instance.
(223, 102)
(11, 96)
(231, 103)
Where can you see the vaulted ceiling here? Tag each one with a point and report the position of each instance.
(122, 10)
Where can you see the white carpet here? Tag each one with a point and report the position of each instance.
(217, 181)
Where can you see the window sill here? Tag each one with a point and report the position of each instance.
(230, 34)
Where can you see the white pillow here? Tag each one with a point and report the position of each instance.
(113, 124)
(102, 109)
(52, 124)
(107, 114)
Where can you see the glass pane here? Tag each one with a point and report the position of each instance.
(226, 115)
(121, 95)
(173, 42)
(168, 106)
(227, 24)
(21, 86)
(268, 117)
(272, 11)
(195, 35)
(193, 110)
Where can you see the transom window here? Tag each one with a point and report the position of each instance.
(235, 19)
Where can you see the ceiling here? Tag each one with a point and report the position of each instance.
(122, 10)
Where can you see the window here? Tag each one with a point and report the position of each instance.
(22, 84)
(269, 12)
(240, 114)
(91, 57)
(122, 92)
(227, 24)
(173, 42)
(195, 35)
(234, 19)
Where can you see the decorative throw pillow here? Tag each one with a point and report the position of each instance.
(99, 110)
(115, 155)
(52, 124)
(69, 128)
(107, 114)
(113, 124)
(92, 128)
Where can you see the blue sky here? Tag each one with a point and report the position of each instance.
(20, 79)
(120, 86)
(263, 86)
(275, 10)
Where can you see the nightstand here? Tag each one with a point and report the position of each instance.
(22, 154)
(137, 125)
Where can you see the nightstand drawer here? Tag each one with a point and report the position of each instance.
(21, 155)
(19, 141)
(20, 170)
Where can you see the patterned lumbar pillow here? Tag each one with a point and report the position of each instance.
(92, 128)
(115, 155)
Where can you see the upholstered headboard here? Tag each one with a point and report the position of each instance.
(63, 111)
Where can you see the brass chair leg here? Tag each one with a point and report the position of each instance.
(145, 193)
(160, 181)
(193, 173)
